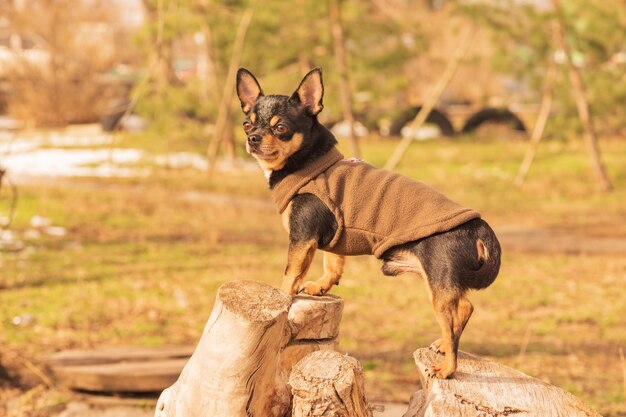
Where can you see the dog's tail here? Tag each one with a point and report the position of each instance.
(488, 259)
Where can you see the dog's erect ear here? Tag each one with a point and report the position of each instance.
(311, 92)
(248, 89)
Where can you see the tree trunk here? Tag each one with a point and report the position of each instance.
(483, 388)
(328, 383)
(222, 124)
(582, 106)
(433, 97)
(206, 64)
(540, 124)
(243, 360)
(341, 61)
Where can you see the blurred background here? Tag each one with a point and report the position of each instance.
(127, 198)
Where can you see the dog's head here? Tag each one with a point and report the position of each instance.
(279, 126)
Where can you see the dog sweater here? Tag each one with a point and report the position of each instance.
(375, 209)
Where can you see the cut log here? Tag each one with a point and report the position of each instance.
(119, 370)
(135, 377)
(315, 318)
(243, 360)
(327, 383)
(104, 356)
(484, 388)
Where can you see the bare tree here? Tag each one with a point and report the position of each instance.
(341, 59)
(223, 130)
(582, 104)
(434, 96)
(540, 123)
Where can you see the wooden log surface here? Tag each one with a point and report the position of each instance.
(122, 377)
(119, 370)
(78, 357)
(242, 362)
(328, 383)
(483, 388)
(314, 317)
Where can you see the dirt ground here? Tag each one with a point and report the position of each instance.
(141, 260)
(512, 237)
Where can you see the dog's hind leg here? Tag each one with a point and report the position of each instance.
(445, 307)
(453, 310)
(463, 314)
(333, 270)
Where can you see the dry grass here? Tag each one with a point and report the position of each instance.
(142, 262)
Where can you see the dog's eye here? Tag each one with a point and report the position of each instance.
(247, 125)
(281, 128)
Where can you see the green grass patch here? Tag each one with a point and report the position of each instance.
(143, 259)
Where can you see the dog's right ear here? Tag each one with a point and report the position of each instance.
(310, 92)
(248, 89)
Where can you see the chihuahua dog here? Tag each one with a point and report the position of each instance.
(346, 207)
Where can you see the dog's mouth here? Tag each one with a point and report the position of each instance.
(263, 155)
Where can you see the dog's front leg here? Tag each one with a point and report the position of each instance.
(299, 260)
(333, 270)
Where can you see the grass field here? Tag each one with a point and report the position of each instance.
(143, 258)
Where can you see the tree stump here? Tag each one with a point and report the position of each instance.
(327, 383)
(243, 360)
(483, 388)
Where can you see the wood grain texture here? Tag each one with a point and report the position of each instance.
(244, 358)
(328, 383)
(484, 388)
(102, 356)
(315, 318)
(133, 377)
(119, 370)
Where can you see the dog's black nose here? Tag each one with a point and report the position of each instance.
(254, 139)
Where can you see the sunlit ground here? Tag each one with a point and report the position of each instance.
(141, 259)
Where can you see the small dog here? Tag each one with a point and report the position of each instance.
(346, 207)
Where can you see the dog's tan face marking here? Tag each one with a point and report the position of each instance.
(276, 126)
(275, 152)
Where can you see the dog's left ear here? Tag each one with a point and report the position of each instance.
(310, 92)
(248, 89)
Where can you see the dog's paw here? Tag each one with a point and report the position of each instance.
(437, 346)
(436, 371)
(313, 288)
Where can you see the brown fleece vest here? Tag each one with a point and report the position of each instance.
(375, 209)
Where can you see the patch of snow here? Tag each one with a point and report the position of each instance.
(73, 162)
(9, 241)
(342, 129)
(81, 151)
(55, 231)
(76, 140)
(425, 132)
(182, 160)
(10, 145)
(39, 221)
